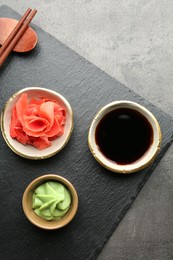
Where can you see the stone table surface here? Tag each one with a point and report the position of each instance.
(131, 40)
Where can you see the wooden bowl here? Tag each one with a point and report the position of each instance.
(40, 222)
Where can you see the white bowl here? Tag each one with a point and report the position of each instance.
(148, 156)
(29, 151)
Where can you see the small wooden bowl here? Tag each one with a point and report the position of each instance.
(29, 151)
(40, 222)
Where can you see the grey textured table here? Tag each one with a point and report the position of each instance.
(132, 41)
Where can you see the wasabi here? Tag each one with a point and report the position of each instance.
(51, 200)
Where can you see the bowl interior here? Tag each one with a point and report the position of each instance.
(40, 222)
(147, 158)
(29, 151)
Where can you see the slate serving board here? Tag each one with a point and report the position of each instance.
(104, 197)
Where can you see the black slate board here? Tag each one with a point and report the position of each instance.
(104, 197)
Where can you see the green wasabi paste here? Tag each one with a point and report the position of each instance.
(51, 200)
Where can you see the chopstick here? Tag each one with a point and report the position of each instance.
(16, 34)
(15, 30)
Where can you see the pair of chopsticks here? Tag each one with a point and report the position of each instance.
(16, 34)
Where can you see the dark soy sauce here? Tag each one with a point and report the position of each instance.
(124, 135)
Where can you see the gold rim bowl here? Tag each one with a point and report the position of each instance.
(28, 151)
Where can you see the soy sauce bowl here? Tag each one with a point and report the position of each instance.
(39, 221)
(105, 159)
(28, 151)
